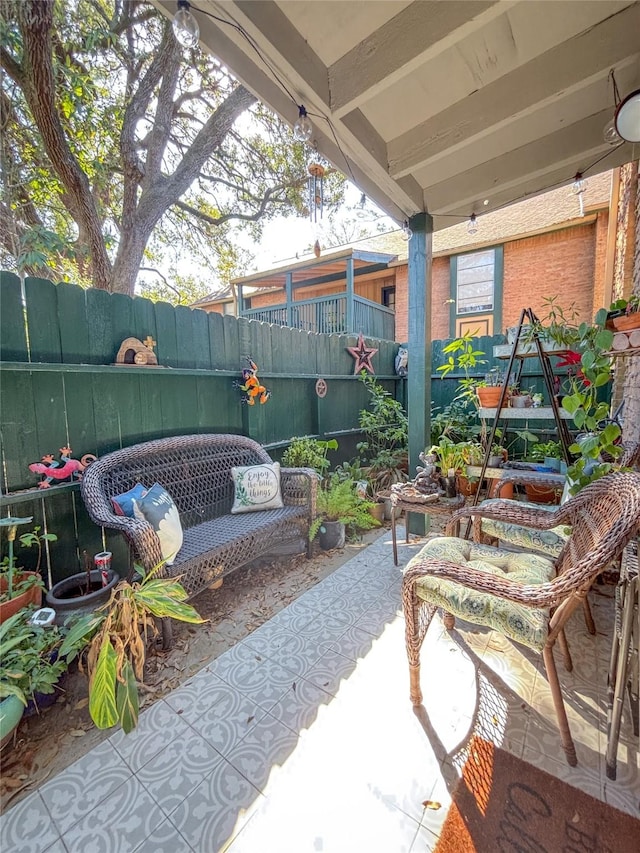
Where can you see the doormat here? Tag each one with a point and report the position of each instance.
(504, 804)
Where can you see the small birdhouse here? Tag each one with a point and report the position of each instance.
(133, 352)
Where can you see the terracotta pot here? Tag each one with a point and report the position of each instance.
(541, 494)
(467, 487)
(489, 397)
(505, 492)
(31, 596)
(377, 511)
(627, 322)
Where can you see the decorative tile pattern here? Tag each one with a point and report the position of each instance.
(156, 729)
(84, 785)
(164, 839)
(298, 708)
(231, 719)
(28, 827)
(121, 822)
(172, 774)
(215, 811)
(267, 746)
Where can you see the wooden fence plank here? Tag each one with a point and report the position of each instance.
(233, 356)
(72, 319)
(18, 430)
(167, 339)
(144, 320)
(150, 416)
(80, 416)
(13, 340)
(102, 345)
(185, 345)
(200, 339)
(42, 313)
(123, 321)
(216, 341)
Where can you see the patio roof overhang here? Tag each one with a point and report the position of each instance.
(331, 267)
(438, 106)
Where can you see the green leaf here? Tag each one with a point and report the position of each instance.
(571, 403)
(127, 699)
(604, 339)
(79, 634)
(588, 359)
(602, 379)
(610, 433)
(102, 690)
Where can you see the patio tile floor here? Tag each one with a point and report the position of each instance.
(302, 737)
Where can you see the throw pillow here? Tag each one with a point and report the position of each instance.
(123, 504)
(157, 507)
(256, 487)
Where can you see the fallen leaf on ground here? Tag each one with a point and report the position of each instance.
(432, 804)
(81, 704)
(77, 732)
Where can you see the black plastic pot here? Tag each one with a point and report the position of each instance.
(331, 535)
(67, 596)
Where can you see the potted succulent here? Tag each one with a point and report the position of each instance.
(339, 506)
(117, 634)
(19, 588)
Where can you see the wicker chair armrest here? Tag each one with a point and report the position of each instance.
(511, 512)
(300, 488)
(546, 594)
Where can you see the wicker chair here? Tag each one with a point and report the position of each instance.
(549, 542)
(525, 596)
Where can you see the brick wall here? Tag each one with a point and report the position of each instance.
(561, 262)
(439, 304)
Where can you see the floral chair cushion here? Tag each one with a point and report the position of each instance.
(525, 625)
(549, 542)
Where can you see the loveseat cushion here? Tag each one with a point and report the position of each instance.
(523, 624)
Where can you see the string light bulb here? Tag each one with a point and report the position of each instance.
(185, 26)
(407, 233)
(610, 133)
(472, 225)
(579, 184)
(303, 128)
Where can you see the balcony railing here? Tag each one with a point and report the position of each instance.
(328, 315)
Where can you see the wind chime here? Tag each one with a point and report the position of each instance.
(317, 170)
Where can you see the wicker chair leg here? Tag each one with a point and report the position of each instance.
(561, 714)
(414, 684)
(449, 620)
(588, 617)
(566, 653)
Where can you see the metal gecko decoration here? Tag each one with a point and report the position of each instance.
(66, 470)
(251, 386)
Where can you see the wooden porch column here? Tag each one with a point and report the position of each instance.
(288, 289)
(349, 318)
(419, 325)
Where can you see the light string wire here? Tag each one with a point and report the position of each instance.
(251, 41)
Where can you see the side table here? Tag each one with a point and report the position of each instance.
(441, 506)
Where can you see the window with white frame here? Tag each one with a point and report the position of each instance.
(475, 280)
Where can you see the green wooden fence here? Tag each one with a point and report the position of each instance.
(59, 386)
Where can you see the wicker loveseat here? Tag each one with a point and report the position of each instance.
(196, 471)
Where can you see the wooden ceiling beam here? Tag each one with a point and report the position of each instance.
(419, 32)
(571, 65)
(581, 142)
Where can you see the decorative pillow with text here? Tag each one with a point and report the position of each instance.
(256, 487)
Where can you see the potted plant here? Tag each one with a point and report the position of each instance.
(489, 390)
(384, 451)
(339, 506)
(19, 588)
(32, 665)
(307, 452)
(624, 314)
(450, 461)
(117, 635)
(520, 398)
(81, 593)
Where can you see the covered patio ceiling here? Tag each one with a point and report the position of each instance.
(433, 106)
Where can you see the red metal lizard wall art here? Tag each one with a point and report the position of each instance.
(67, 469)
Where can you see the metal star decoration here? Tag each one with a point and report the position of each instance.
(363, 355)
